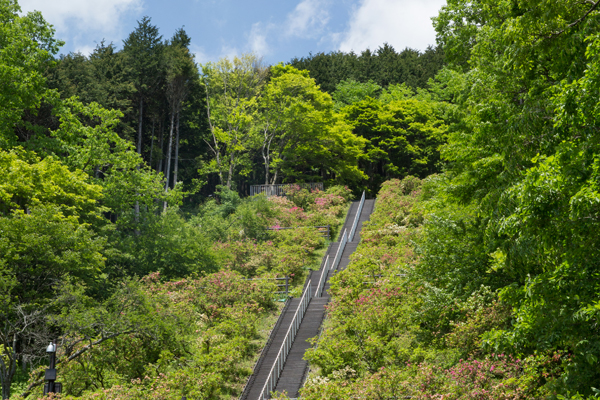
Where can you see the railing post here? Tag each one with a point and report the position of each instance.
(287, 285)
(287, 344)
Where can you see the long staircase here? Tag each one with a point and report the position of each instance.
(281, 366)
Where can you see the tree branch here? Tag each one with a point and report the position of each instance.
(79, 352)
(594, 5)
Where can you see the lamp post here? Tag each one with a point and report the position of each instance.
(52, 386)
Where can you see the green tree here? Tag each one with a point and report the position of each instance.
(300, 127)
(403, 136)
(26, 49)
(144, 51)
(523, 174)
(350, 91)
(181, 70)
(102, 78)
(232, 91)
(46, 212)
(383, 66)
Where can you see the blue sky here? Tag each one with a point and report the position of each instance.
(278, 30)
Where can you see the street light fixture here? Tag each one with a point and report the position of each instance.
(52, 386)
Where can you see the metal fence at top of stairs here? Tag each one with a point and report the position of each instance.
(279, 190)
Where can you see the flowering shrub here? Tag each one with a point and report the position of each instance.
(200, 338)
(316, 208)
(317, 199)
(492, 378)
(403, 336)
(248, 257)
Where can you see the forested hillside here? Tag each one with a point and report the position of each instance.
(229, 122)
(480, 282)
(126, 234)
(142, 298)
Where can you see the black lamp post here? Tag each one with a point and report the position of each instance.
(52, 386)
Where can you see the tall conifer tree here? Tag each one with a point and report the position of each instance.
(144, 51)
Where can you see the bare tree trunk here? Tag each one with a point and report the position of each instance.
(139, 141)
(176, 166)
(266, 170)
(170, 149)
(139, 151)
(265, 154)
(215, 146)
(152, 143)
(231, 168)
(159, 167)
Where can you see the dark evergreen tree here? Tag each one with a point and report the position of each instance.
(144, 50)
(384, 67)
(180, 71)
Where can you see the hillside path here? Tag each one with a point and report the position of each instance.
(295, 368)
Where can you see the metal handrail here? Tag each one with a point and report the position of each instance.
(340, 250)
(286, 346)
(356, 218)
(264, 350)
(323, 274)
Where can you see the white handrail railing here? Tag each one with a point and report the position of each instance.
(340, 250)
(324, 273)
(356, 218)
(286, 345)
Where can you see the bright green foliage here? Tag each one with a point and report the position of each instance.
(153, 340)
(302, 134)
(164, 243)
(43, 247)
(517, 209)
(46, 212)
(232, 89)
(99, 151)
(403, 135)
(33, 183)
(398, 327)
(349, 92)
(26, 49)
(81, 136)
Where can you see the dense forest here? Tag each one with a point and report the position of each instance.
(230, 122)
(481, 282)
(127, 236)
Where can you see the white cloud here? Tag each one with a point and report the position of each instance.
(228, 51)
(85, 50)
(75, 16)
(257, 40)
(199, 52)
(401, 23)
(308, 19)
